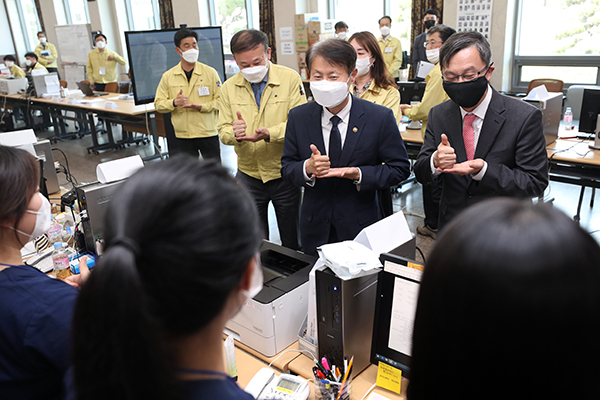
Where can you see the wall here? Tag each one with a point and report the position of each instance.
(105, 17)
(6, 46)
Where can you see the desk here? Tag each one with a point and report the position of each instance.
(413, 142)
(282, 363)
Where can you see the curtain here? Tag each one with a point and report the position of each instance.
(418, 10)
(267, 25)
(38, 8)
(166, 14)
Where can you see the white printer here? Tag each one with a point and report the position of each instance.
(13, 85)
(270, 321)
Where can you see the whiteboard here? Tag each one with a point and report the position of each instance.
(74, 73)
(74, 43)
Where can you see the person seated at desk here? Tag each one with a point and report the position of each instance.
(47, 54)
(509, 307)
(102, 64)
(35, 310)
(149, 322)
(15, 70)
(31, 60)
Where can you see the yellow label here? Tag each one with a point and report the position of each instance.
(285, 390)
(415, 266)
(389, 378)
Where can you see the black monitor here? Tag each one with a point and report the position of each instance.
(411, 91)
(397, 293)
(151, 53)
(590, 107)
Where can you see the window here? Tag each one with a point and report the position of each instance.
(29, 22)
(233, 16)
(369, 12)
(77, 11)
(143, 15)
(400, 12)
(565, 48)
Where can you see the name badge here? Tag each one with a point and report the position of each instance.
(103, 70)
(203, 91)
(388, 49)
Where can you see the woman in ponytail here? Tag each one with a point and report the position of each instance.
(180, 260)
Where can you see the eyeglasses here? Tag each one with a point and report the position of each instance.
(432, 43)
(467, 76)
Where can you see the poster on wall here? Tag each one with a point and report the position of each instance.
(475, 15)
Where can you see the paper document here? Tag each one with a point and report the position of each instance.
(404, 307)
(91, 101)
(116, 170)
(52, 84)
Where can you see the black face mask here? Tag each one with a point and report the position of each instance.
(429, 23)
(467, 94)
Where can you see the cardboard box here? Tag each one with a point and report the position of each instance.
(322, 26)
(302, 19)
(317, 37)
(301, 34)
(301, 47)
(302, 59)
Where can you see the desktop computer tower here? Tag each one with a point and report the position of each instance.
(345, 311)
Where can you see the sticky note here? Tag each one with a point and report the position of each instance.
(389, 378)
(415, 266)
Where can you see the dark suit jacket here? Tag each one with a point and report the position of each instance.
(418, 51)
(373, 143)
(511, 142)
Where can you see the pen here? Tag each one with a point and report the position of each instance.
(345, 378)
(339, 374)
(345, 364)
(330, 382)
(323, 370)
(325, 363)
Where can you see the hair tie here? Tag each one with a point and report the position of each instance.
(127, 243)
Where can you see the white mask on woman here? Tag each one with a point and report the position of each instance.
(433, 55)
(255, 74)
(42, 220)
(363, 65)
(329, 94)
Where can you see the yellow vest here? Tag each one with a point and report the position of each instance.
(97, 60)
(17, 72)
(284, 91)
(389, 98)
(53, 56)
(392, 53)
(203, 88)
(37, 66)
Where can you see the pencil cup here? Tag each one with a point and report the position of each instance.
(331, 391)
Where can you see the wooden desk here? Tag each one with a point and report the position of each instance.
(413, 142)
(281, 364)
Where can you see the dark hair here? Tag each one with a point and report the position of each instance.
(341, 25)
(42, 32)
(10, 57)
(180, 235)
(461, 41)
(31, 54)
(379, 71)
(19, 181)
(335, 51)
(182, 34)
(248, 39)
(385, 16)
(431, 11)
(444, 31)
(510, 289)
(100, 35)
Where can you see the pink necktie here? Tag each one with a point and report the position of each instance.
(469, 135)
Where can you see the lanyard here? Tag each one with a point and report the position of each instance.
(25, 267)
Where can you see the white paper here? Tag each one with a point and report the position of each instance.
(52, 84)
(348, 259)
(111, 105)
(91, 101)
(538, 93)
(287, 48)
(116, 170)
(286, 33)
(18, 138)
(385, 235)
(424, 69)
(404, 307)
(37, 72)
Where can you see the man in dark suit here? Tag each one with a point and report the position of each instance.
(430, 19)
(480, 144)
(341, 149)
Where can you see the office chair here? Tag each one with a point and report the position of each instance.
(553, 85)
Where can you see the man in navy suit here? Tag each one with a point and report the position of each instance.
(480, 144)
(341, 149)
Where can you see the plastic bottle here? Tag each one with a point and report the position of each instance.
(55, 231)
(568, 119)
(60, 259)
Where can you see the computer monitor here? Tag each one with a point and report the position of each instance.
(152, 53)
(590, 108)
(396, 304)
(411, 91)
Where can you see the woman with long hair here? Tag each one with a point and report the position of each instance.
(180, 261)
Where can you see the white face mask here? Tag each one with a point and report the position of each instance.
(9, 64)
(43, 40)
(42, 221)
(329, 94)
(256, 281)
(385, 30)
(101, 44)
(363, 65)
(342, 35)
(255, 74)
(190, 55)
(433, 55)
(28, 62)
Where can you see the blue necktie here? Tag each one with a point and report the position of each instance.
(335, 142)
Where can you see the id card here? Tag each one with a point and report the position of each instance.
(203, 91)
(388, 49)
(102, 71)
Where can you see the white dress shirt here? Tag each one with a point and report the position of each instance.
(479, 113)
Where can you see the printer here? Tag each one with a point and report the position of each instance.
(13, 85)
(269, 322)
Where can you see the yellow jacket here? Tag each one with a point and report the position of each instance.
(393, 55)
(17, 72)
(97, 60)
(188, 122)
(53, 56)
(37, 66)
(389, 98)
(434, 95)
(284, 91)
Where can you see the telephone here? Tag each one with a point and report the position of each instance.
(266, 385)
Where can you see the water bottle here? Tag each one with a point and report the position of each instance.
(568, 119)
(55, 231)
(60, 260)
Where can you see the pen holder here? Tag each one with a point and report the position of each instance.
(330, 391)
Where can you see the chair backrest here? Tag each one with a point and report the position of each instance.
(553, 85)
(574, 99)
(63, 84)
(112, 87)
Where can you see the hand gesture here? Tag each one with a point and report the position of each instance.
(259, 134)
(110, 57)
(317, 164)
(444, 158)
(84, 273)
(239, 126)
(344, 172)
(195, 106)
(180, 100)
(466, 168)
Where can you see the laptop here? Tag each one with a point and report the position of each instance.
(87, 90)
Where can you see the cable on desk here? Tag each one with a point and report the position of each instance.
(421, 253)
(299, 351)
(70, 178)
(369, 391)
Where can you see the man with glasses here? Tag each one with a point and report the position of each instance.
(481, 144)
(430, 19)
